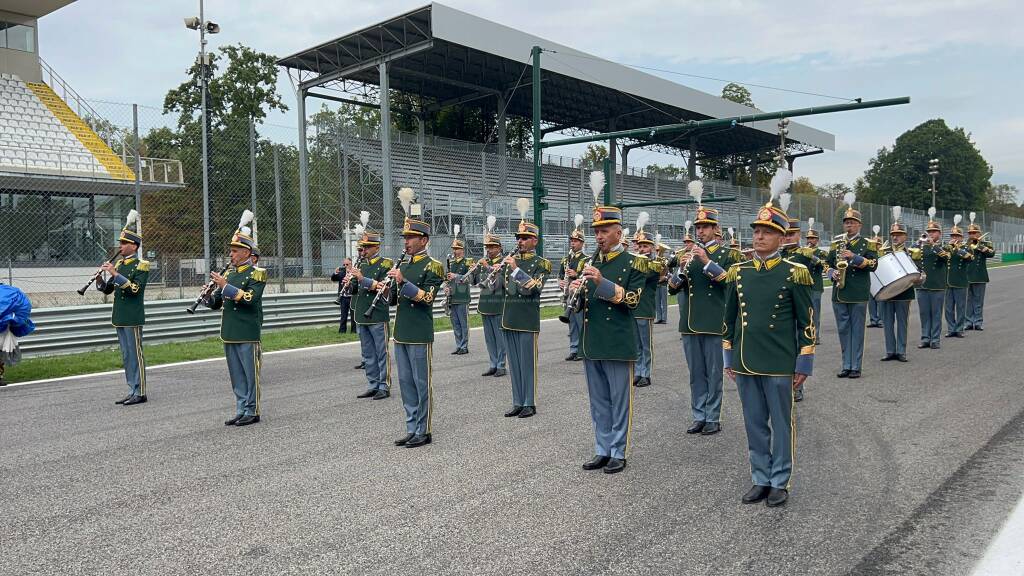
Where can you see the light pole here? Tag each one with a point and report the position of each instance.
(933, 170)
(204, 27)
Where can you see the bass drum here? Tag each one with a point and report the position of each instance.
(896, 273)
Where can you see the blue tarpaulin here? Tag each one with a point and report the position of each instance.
(15, 310)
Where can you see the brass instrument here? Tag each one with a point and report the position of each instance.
(841, 263)
(207, 291)
(573, 301)
(383, 287)
(99, 272)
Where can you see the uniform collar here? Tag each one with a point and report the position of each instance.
(612, 253)
(374, 260)
(419, 256)
(243, 267)
(526, 255)
(853, 239)
(712, 246)
(769, 262)
(128, 260)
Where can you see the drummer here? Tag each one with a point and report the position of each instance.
(895, 311)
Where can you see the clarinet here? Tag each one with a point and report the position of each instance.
(383, 287)
(346, 290)
(493, 276)
(207, 290)
(572, 301)
(95, 276)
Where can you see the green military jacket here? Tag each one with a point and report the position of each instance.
(460, 289)
(704, 292)
(492, 299)
(374, 270)
(414, 316)
(242, 319)
(769, 318)
(571, 261)
(857, 287)
(977, 271)
(815, 261)
(916, 255)
(934, 262)
(521, 304)
(609, 327)
(956, 273)
(645, 309)
(129, 298)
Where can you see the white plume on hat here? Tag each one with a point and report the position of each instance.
(247, 217)
(780, 182)
(931, 212)
(364, 218)
(876, 229)
(657, 237)
(578, 220)
(849, 198)
(688, 224)
(732, 232)
(957, 218)
(406, 197)
(456, 229)
(696, 190)
(358, 229)
(784, 199)
(625, 232)
(491, 221)
(810, 223)
(597, 182)
(897, 211)
(641, 221)
(133, 217)
(972, 216)
(523, 206)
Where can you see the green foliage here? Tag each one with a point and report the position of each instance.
(899, 175)
(834, 191)
(722, 168)
(1003, 199)
(594, 156)
(670, 172)
(803, 185)
(737, 93)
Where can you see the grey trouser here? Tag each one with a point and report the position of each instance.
(956, 309)
(704, 356)
(976, 305)
(770, 421)
(895, 314)
(460, 325)
(522, 366)
(645, 347)
(610, 384)
(413, 363)
(373, 345)
(850, 324)
(929, 305)
(130, 339)
(244, 360)
(495, 340)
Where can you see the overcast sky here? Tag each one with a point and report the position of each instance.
(958, 60)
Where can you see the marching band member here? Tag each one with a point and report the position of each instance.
(874, 311)
(522, 282)
(977, 275)
(957, 281)
(372, 324)
(128, 278)
(851, 261)
(415, 283)
(491, 301)
(567, 272)
(768, 349)
(896, 310)
(644, 312)
(608, 292)
(817, 270)
(240, 293)
(702, 282)
(932, 292)
(458, 297)
(661, 299)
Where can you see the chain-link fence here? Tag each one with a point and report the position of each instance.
(65, 188)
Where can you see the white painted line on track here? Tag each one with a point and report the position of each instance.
(288, 351)
(1005, 555)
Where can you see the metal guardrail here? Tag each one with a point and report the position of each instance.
(83, 328)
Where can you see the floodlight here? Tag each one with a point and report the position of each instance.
(192, 23)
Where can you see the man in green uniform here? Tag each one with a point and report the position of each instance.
(372, 323)
(896, 310)
(700, 320)
(567, 272)
(661, 300)
(932, 292)
(127, 283)
(768, 349)
(416, 281)
(977, 276)
(849, 302)
(644, 312)
(522, 282)
(240, 293)
(490, 305)
(458, 296)
(613, 284)
(810, 258)
(957, 282)
(874, 310)
(817, 270)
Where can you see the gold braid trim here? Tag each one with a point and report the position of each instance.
(545, 264)
(143, 266)
(641, 264)
(436, 267)
(632, 298)
(801, 275)
(734, 270)
(259, 274)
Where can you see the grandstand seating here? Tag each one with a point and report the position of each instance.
(46, 137)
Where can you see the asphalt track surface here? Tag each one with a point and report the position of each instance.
(909, 470)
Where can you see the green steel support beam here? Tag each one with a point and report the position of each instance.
(539, 205)
(719, 122)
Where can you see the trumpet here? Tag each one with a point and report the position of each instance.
(573, 300)
(383, 287)
(99, 272)
(207, 290)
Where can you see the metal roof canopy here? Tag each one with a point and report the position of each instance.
(446, 57)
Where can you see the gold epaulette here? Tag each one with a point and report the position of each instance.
(258, 274)
(734, 270)
(799, 273)
(641, 263)
(655, 265)
(387, 263)
(143, 266)
(436, 267)
(872, 245)
(545, 264)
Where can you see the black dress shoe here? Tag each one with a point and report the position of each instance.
(464, 351)
(578, 358)
(755, 494)
(527, 411)
(635, 380)
(661, 322)
(597, 462)
(969, 328)
(643, 382)
(854, 374)
(844, 374)
(888, 357)
(696, 427)
(367, 394)
(776, 497)
(950, 334)
(935, 346)
(500, 372)
(960, 335)
(979, 328)
(514, 412)
(923, 345)
(381, 394)
(711, 428)
(247, 420)
(404, 439)
(571, 357)
(615, 466)
(135, 400)
(123, 400)
(418, 440)
(490, 372)
(901, 357)
(233, 420)
(457, 352)
(360, 366)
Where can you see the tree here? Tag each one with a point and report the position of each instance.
(721, 167)
(671, 171)
(803, 185)
(1002, 199)
(595, 156)
(738, 94)
(833, 191)
(900, 175)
